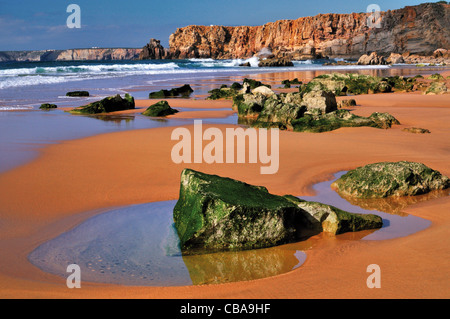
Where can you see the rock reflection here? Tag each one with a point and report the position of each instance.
(226, 267)
(394, 205)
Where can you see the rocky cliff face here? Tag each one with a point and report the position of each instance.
(154, 50)
(96, 54)
(418, 30)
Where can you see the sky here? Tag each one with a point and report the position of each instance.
(41, 24)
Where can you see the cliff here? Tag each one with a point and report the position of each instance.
(96, 54)
(415, 29)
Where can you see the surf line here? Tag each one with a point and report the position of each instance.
(237, 141)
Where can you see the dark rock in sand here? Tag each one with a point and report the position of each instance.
(78, 94)
(416, 130)
(162, 108)
(107, 105)
(275, 62)
(47, 106)
(184, 91)
(390, 179)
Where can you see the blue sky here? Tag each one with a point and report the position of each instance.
(41, 24)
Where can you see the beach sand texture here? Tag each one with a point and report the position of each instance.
(74, 180)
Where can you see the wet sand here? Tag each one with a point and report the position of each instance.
(74, 180)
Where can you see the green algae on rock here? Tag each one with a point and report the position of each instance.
(78, 94)
(107, 105)
(215, 213)
(48, 106)
(162, 108)
(386, 179)
(183, 91)
(341, 118)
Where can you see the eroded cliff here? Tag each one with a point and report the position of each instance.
(416, 29)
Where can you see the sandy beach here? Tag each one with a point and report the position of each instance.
(74, 180)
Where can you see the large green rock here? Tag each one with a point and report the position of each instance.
(382, 180)
(282, 109)
(162, 108)
(215, 213)
(107, 105)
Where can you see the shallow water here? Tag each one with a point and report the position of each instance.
(138, 246)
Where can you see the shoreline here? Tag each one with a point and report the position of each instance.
(125, 159)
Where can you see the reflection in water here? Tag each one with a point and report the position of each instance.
(394, 205)
(138, 245)
(118, 119)
(240, 266)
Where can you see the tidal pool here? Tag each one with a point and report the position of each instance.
(138, 246)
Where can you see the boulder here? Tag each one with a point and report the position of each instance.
(78, 94)
(341, 118)
(416, 130)
(154, 51)
(107, 105)
(346, 103)
(215, 213)
(395, 58)
(48, 106)
(264, 90)
(183, 91)
(275, 62)
(372, 59)
(437, 88)
(320, 102)
(162, 108)
(332, 220)
(382, 180)
(282, 109)
(249, 105)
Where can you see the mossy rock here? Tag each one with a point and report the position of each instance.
(249, 105)
(346, 103)
(386, 179)
(214, 213)
(183, 91)
(253, 84)
(282, 109)
(436, 77)
(288, 83)
(78, 94)
(107, 105)
(160, 109)
(341, 118)
(437, 88)
(48, 106)
(332, 220)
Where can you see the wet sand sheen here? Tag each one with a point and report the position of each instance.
(134, 167)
